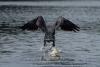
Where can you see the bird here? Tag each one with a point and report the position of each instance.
(49, 30)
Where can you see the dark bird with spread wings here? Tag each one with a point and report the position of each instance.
(49, 30)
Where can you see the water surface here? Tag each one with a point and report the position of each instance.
(22, 48)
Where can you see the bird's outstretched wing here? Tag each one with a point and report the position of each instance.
(66, 25)
(34, 24)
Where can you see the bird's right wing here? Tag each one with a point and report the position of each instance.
(34, 24)
(66, 25)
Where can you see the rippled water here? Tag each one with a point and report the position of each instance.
(22, 48)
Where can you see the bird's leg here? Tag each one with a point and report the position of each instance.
(44, 43)
(53, 45)
(45, 40)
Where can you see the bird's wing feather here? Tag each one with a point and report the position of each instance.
(34, 24)
(66, 25)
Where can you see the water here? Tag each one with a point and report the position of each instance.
(22, 48)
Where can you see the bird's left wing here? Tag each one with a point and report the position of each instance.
(34, 24)
(66, 25)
